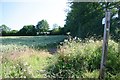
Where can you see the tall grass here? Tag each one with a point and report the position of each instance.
(25, 57)
(28, 57)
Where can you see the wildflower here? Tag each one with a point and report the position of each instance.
(25, 64)
(75, 38)
(91, 41)
(79, 39)
(61, 43)
(65, 40)
(68, 33)
(24, 70)
(24, 76)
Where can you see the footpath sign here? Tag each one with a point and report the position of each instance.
(106, 22)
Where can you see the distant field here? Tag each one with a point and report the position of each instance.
(22, 42)
(25, 56)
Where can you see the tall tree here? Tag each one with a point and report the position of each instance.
(115, 23)
(84, 19)
(4, 29)
(42, 26)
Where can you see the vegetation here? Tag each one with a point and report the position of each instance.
(26, 57)
(24, 64)
(25, 54)
(4, 29)
(84, 20)
(28, 30)
(57, 30)
(77, 59)
(42, 26)
(74, 59)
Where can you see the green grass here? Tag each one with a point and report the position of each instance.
(28, 61)
(26, 56)
(29, 56)
(35, 42)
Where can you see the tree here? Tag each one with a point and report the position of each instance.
(57, 30)
(84, 19)
(42, 26)
(14, 31)
(4, 29)
(28, 30)
(115, 25)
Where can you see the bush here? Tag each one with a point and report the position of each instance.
(77, 59)
(67, 67)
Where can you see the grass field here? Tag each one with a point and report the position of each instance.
(34, 57)
(26, 56)
(38, 42)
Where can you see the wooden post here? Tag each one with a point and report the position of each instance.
(105, 45)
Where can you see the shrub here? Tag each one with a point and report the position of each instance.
(76, 59)
(67, 66)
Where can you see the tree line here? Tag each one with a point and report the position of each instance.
(42, 28)
(84, 19)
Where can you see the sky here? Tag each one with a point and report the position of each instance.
(17, 13)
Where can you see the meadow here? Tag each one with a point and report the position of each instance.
(19, 53)
(56, 57)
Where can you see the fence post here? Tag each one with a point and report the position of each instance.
(105, 45)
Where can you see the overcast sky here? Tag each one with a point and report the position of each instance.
(17, 13)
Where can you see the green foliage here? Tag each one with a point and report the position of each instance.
(4, 29)
(84, 19)
(20, 43)
(23, 57)
(18, 70)
(57, 31)
(14, 31)
(77, 59)
(24, 66)
(94, 74)
(42, 26)
(67, 67)
(115, 28)
(28, 30)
